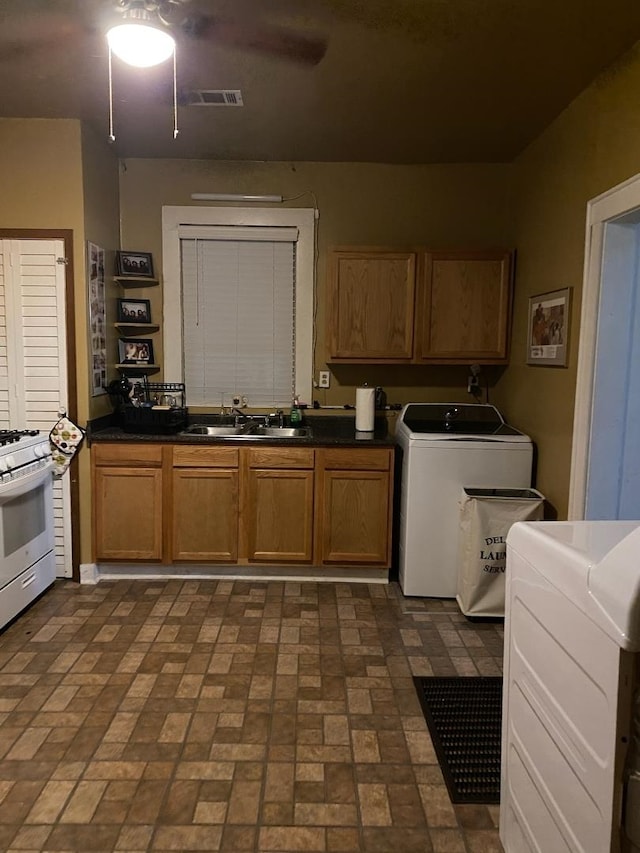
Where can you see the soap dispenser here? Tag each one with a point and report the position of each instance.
(295, 415)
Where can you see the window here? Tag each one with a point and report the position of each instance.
(238, 303)
(238, 309)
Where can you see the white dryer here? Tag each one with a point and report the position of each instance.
(446, 446)
(570, 780)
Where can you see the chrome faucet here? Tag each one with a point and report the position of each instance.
(279, 415)
(240, 415)
(243, 419)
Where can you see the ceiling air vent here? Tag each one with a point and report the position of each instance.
(215, 98)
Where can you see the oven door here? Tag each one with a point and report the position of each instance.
(26, 521)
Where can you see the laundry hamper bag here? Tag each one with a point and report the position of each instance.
(485, 518)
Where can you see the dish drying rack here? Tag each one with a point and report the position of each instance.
(156, 407)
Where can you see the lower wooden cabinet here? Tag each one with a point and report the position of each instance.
(204, 513)
(127, 502)
(277, 516)
(355, 517)
(258, 505)
(354, 523)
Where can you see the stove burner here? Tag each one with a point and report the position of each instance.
(8, 436)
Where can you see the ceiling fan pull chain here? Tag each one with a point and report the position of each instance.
(111, 134)
(175, 95)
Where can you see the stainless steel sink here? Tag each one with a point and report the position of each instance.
(214, 431)
(282, 432)
(248, 431)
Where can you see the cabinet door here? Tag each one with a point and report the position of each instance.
(205, 514)
(355, 517)
(128, 513)
(279, 516)
(370, 305)
(464, 307)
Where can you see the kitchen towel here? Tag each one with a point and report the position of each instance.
(365, 408)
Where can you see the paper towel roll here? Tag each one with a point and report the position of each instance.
(365, 411)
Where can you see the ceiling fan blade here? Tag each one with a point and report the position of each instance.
(26, 31)
(273, 41)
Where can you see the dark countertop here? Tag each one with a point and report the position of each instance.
(327, 430)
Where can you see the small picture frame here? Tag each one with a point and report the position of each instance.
(136, 264)
(548, 330)
(134, 311)
(135, 351)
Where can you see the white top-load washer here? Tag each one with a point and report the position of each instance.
(570, 780)
(446, 446)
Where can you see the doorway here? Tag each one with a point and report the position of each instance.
(605, 470)
(37, 374)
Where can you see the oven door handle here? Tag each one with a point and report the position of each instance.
(10, 489)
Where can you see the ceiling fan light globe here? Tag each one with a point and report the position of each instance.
(140, 45)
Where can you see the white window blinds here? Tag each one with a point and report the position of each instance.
(238, 298)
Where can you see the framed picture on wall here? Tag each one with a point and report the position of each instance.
(134, 311)
(548, 330)
(138, 264)
(97, 319)
(135, 351)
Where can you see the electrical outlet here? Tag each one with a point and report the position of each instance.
(324, 379)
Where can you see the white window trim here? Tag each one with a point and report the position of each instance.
(175, 218)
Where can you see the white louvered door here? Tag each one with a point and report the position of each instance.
(33, 357)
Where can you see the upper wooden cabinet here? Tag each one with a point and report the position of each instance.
(464, 307)
(371, 298)
(419, 307)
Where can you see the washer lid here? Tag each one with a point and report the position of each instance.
(596, 564)
(456, 421)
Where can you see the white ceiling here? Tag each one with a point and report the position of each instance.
(402, 81)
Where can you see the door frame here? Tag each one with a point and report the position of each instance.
(612, 204)
(66, 236)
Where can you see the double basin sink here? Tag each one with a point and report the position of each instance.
(249, 431)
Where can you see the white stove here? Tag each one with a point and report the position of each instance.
(27, 563)
(10, 436)
(23, 451)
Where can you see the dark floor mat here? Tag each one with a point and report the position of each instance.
(464, 718)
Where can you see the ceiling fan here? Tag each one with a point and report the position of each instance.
(146, 36)
(162, 21)
(35, 29)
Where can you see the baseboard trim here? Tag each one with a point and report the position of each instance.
(94, 573)
(89, 573)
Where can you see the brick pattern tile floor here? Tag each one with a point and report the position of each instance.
(233, 716)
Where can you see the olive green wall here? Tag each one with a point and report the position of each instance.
(537, 204)
(102, 227)
(40, 173)
(592, 146)
(361, 204)
(56, 175)
(41, 180)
